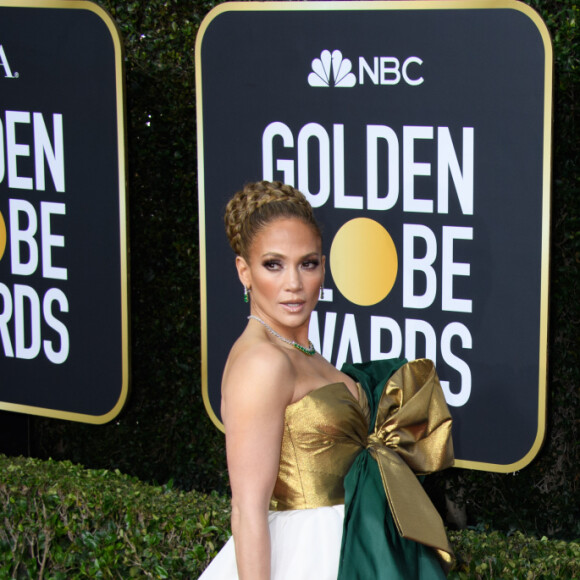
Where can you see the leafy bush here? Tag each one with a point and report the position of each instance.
(61, 521)
(482, 554)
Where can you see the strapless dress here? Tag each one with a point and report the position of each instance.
(328, 434)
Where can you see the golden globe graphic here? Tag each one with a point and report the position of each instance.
(363, 261)
(435, 232)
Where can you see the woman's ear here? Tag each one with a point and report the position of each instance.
(243, 272)
(323, 269)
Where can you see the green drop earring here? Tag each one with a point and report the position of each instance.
(246, 297)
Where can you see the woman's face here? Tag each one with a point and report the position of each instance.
(284, 272)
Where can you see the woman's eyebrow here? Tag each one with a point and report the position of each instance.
(280, 256)
(272, 255)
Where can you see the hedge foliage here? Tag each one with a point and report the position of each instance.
(61, 521)
(164, 432)
(484, 554)
(65, 522)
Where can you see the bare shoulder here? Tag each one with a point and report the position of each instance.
(258, 377)
(253, 360)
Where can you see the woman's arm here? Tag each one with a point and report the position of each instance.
(256, 390)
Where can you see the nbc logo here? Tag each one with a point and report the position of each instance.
(331, 67)
(333, 70)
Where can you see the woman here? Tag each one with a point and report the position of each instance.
(295, 425)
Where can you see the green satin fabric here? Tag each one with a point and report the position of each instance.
(372, 547)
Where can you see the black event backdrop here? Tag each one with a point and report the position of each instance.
(62, 67)
(486, 67)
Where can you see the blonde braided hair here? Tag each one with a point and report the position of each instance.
(260, 203)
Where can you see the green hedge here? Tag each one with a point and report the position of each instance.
(61, 521)
(485, 554)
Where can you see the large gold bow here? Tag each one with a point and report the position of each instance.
(413, 434)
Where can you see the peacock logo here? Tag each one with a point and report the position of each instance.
(331, 70)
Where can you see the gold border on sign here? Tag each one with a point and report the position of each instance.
(123, 230)
(546, 177)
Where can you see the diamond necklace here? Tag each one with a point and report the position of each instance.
(309, 351)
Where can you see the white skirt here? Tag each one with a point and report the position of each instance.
(305, 546)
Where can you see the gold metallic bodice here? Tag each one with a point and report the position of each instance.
(323, 433)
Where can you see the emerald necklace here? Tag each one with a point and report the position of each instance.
(309, 351)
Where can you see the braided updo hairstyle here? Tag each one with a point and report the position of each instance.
(258, 204)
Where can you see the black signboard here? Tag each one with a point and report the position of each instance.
(420, 132)
(63, 270)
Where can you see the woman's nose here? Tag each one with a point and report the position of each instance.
(293, 280)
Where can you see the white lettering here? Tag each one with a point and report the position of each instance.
(286, 166)
(50, 240)
(462, 178)
(387, 70)
(412, 329)
(23, 236)
(383, 164)
(411, 264)
(374, 133)
(373, 73)
(348, 341)
(5, 319)
(4, 62)
(411, 169)
(378, 324)
(408, 79)
(456, 329)
(449, 269)
(390, 74)
(43, 149)
(329, 330)
(56, 356)
(341, 200)
(33, 315)
(386, 341)
(317, 132)
(15, 150)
